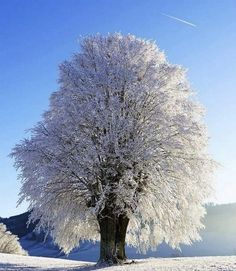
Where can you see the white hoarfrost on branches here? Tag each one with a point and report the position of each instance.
(124, 128)
(9, 242)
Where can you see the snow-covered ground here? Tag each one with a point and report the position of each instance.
(28, 263)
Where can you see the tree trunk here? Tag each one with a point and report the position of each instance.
(112, 242)
(107, 226)
(121, 228)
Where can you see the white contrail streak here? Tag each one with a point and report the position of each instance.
(178, 19)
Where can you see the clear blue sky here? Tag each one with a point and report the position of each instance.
(36, 35)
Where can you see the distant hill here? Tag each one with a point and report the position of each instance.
(18, 224)
(218, 238)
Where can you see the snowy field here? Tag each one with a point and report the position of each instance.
(25, 263)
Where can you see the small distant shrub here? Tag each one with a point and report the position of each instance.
(9, 242)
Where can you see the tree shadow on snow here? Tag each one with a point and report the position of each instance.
(97, 267)
(16, 267)
(88, 268)
(19, 267)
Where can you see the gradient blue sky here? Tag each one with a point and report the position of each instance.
(36, 35)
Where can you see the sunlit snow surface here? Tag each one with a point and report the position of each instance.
(27, 263)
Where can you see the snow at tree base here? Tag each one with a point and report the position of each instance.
(122, 149)
(24, 263)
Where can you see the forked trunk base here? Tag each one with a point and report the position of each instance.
(112, 243)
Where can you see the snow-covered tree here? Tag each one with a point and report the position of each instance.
(121, 151)
(9, 242)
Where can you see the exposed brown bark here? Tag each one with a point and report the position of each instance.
(113, 232)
